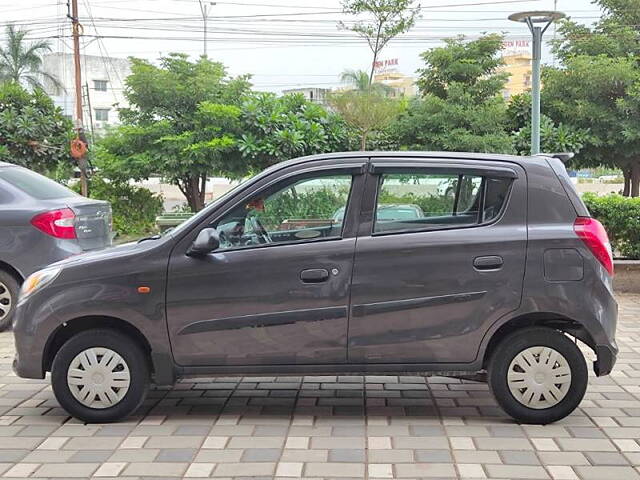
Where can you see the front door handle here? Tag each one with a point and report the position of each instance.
(314, 275)
(492, 262)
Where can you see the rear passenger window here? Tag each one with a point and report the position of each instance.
(432, 201)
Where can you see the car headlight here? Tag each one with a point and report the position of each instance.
(37, 281)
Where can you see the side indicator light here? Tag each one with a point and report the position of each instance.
(144, 290)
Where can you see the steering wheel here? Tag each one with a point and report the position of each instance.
(260, 231)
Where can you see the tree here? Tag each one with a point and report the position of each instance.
(21, 62)
(597, 88)
(387, 19)
(33, 131)
(461, 106)
(280, 128)
(366, 112)
(182, 124)
(360, 80)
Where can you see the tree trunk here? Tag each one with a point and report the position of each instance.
(635, 179)
(363, 141)
(627, 182)
(189, 186)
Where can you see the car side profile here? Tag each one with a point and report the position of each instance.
(42, 222)
(498, 276)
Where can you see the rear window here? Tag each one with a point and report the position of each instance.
(415, 201)
(34, 184)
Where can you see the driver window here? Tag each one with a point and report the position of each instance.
(308, 209)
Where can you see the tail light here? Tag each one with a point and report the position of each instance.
(593, 234)
(57, 223)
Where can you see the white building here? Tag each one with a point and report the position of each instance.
(102, 84)
(313, 94)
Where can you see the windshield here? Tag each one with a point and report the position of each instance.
(34, 184)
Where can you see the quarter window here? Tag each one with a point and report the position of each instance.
(432, 201)
(305, 210)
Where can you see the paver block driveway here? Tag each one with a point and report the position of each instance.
(328, 427)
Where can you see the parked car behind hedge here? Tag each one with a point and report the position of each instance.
(621, 218)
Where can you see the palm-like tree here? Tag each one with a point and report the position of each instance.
(21, 62)
(362, 83)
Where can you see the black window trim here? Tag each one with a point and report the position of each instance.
(484, 173)
(308, 173)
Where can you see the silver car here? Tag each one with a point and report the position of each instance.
(42, 222)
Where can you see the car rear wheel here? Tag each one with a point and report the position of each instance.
(100, 376)
(8, 298)
(538, 375)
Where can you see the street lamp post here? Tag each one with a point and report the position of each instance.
(204, 9)
(538, 22)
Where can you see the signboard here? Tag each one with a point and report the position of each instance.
(385, 65)
(513, 46)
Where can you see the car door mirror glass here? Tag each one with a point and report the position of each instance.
(207, 241)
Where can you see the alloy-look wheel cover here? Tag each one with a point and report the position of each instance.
(6, 302)
(98, 378)
(539, 377)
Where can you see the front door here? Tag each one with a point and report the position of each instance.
(277, 289)
(442, 257)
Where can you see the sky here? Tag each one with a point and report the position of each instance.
(282, 43)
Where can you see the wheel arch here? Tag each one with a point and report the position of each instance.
(12, 271)
(538, 319)
(68, 329)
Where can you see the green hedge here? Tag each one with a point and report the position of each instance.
(134, 208)
(621, 217)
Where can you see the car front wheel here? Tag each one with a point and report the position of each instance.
(100, 376)
(538, 375)
(8, 298)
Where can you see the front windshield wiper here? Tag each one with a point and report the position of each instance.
(152, 237)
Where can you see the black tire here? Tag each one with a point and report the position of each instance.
(517, 342)
(131, 353)
(8, 286)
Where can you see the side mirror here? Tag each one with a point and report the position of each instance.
(206, 242)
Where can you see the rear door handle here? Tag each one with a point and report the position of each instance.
(492, 262)
(314, 275)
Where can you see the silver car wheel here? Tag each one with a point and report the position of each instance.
(98, 378)
(6, 301)
(539, 377)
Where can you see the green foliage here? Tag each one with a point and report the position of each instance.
(281, 128)
(366, 112)
(21, 62)
(319, 203)
(182, 124)
(134, 208)
(360, 80)
(458, 123)
(462, 108)
(33, 131)
(470, 64)
(431, 204)
(598, 88)
(621, 218)
(554, 138)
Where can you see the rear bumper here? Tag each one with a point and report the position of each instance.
(607, 356)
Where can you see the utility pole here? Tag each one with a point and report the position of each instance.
(78, 144)
(533, 21)
(204, 9)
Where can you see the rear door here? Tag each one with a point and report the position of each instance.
(425, 289)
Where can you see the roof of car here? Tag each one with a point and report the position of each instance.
(346, 156)
(5, 164)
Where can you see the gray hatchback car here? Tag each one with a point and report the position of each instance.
(497, 278)
(42, 222)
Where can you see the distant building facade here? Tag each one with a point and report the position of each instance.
(518, 65)
(402, 85)
(102, 84)
(313, 94)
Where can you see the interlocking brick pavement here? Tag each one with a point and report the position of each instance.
(328, 427)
